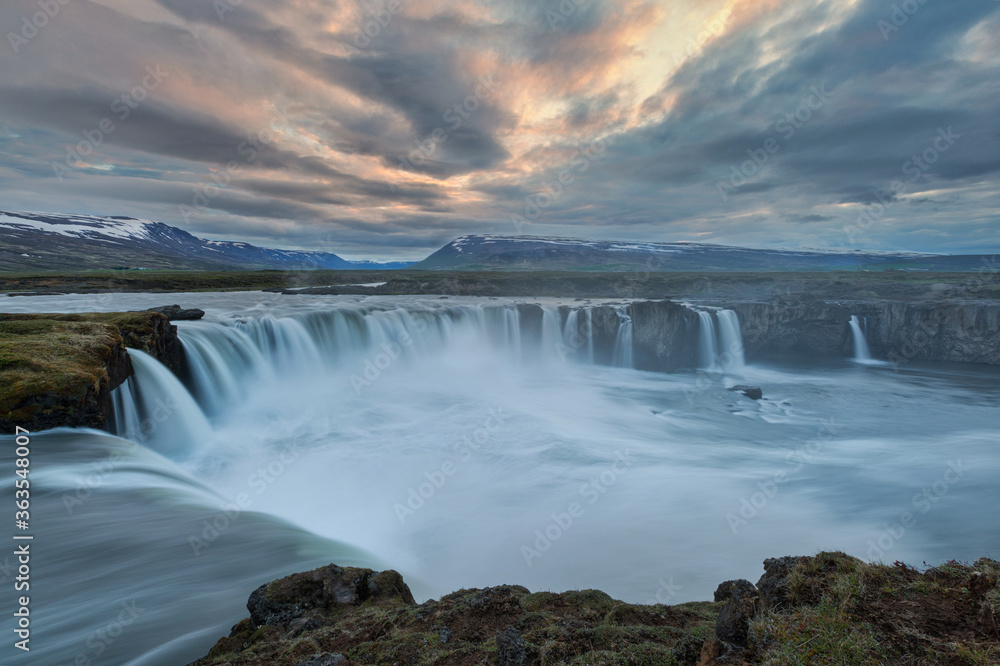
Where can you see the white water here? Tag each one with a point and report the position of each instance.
(861, 353)
(722, 348)
(623, 354)
(331, 414)
(730, 341)
(154, 408)
(707, 348)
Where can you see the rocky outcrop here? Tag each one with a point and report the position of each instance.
(177, 313)
(665, 336)
(332, 614)
(56, 372)
(59, 369)
(967, 332)
(752, 392)
(666, 333)
(827, 608)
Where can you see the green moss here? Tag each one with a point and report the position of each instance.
(822, 634)
(53, 367)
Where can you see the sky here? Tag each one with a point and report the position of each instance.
(384, 129)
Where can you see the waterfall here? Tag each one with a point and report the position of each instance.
(222, 359)
(551, 337)
(720, 343)
(512, 339)
(861, 353)
(623, 341)
(226, 359)
(571, 338)
(730, 341)
(578, 336)
(706, 340)
(125, 410)
(589, 332)
(155, 409)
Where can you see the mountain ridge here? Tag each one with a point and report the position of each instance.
(497, 252)
(51, 241)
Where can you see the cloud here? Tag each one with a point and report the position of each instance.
(706, 114)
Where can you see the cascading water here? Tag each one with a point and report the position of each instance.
(453, 462)
(623, 341)
(225, 358)
(578, 335)
(720, 343)
(551, 336)
(707, 348)
(167, 418)
(861, 353)
(222, 360)
(589, 333)
(730, 341)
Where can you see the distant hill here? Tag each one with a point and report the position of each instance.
(547, 253)
(43, 241)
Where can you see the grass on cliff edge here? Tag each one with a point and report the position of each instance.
(839, 610)
(844, 611)
(51, 361)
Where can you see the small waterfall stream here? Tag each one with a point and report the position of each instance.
(720, 343)
(707, 347)
(624, 354)
(861, 353)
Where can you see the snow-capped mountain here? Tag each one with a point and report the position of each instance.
(550, 253)
(42, 241)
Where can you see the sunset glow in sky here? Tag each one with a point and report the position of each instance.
(385, 128)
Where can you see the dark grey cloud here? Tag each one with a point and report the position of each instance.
(354, 161)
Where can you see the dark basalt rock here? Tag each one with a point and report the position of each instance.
(730, 588)
(177, 313)
(734, 619)
(356, 616)
(751, 392)
(324, 659)
(773, 585)
(61, 368)
(510, 648)
(318, 592)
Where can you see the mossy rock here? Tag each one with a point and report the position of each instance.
(59, 369)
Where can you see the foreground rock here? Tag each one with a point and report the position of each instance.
(751, 392)
(357, 616)
(59, 369)
(826, 609)
(177, 313)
